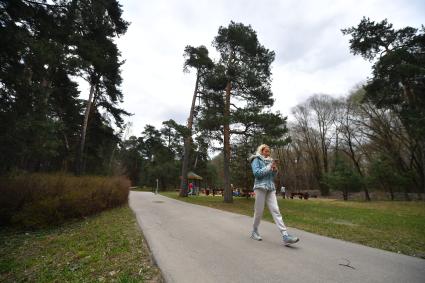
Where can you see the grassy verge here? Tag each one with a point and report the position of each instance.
(393, 226)
(107, 247)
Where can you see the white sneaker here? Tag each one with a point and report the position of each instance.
(256, 236)
(288, 239)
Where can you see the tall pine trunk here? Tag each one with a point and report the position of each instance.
(79, 170)
(422, 143)
(188, 142)
(228, 194)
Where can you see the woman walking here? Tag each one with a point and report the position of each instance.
(264, 169)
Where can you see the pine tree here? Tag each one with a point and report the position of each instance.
(95, 23)
(195, 58)
(238, 92)
(398, 78)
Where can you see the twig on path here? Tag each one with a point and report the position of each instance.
(348, 264)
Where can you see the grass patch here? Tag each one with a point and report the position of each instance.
(393, 226)
(106, 247)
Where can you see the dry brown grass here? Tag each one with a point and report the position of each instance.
(39, 200)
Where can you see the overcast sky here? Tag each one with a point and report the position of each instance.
(312, 55)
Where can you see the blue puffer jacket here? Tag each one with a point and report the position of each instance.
(262, 169)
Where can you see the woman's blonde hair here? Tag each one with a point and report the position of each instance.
(261, 148)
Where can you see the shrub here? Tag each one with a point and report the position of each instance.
(383, 174)
(344, 179)
(39, 200)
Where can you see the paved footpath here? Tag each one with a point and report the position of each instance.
(192, 243)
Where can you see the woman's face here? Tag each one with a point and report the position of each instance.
(266, 152)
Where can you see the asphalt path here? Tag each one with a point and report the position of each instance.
(192, 243)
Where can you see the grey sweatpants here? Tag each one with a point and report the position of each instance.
(269, 197)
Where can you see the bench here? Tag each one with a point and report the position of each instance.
(247, 193)
(300, 195)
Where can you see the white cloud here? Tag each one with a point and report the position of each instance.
(312, 55)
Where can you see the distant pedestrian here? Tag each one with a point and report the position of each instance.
(264, 169)
(190, 188)
(283, 192)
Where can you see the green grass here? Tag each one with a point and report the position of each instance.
(107, 247)
(393, 226)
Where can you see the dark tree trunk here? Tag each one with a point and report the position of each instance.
(366, 193)
(357, 164)
(423, 167)
(391, 193)
(345, 194)
(228, 197)
(188, 142)
(79, 168)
